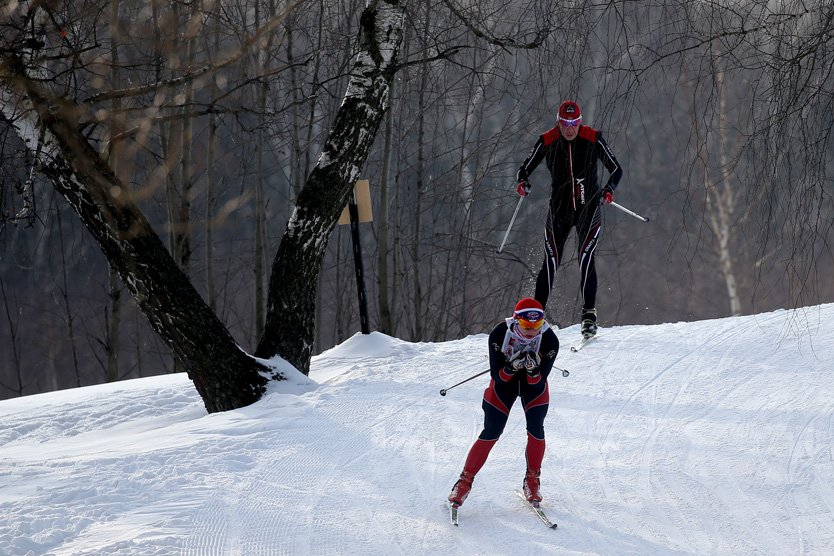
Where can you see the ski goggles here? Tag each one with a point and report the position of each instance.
(570, 123)
(531, 318)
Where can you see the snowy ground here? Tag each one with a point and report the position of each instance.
(692, 438)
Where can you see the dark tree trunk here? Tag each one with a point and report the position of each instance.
(290, 322)
(225, 376)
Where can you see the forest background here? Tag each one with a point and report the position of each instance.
(720, 112)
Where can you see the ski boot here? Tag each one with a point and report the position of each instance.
(589, 323)
(531, 487)
(461, 489)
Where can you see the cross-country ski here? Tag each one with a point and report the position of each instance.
(582, 343)
(536, 508)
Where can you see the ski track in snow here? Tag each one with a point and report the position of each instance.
(700, 438)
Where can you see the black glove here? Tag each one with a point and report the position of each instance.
(516, 362)
(521, 175)
(528, 362)
(531, 364)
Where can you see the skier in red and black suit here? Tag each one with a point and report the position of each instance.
(521, 353)
(571, 151)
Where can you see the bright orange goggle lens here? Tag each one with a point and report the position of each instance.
(530, 319)
(535, 325)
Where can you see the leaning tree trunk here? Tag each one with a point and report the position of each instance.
(290, 327)
(225, 376)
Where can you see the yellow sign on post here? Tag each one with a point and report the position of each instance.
(363, 203)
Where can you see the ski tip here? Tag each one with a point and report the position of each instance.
(585, 339)
(536, 508)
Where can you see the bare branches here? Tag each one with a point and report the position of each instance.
(256, 40)
(505, 42)
(657, 55)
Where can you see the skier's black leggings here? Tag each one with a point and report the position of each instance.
(588, 224)
(499, 399)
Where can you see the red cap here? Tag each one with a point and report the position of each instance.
(529, 310)
(569, 111)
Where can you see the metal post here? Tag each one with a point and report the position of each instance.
(357, 260)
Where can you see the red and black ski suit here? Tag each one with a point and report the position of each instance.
(506, 386)
(575, 202)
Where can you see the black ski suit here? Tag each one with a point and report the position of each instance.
(575, 202)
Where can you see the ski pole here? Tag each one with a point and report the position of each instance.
(443, 392)
(625, 210)
(565, 373)
(506, 235)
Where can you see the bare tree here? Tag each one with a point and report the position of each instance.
(224, 375)
(296, 266)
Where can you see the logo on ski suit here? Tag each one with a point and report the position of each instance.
(581, 187)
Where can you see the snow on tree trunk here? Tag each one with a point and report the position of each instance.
(290, 321)
(224, 375)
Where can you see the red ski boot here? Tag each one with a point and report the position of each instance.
(461, 489)
(531, 487)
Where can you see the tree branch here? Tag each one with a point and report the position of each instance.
(503, 43)
(247, 45)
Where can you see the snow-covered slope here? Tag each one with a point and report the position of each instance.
(710, 437)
